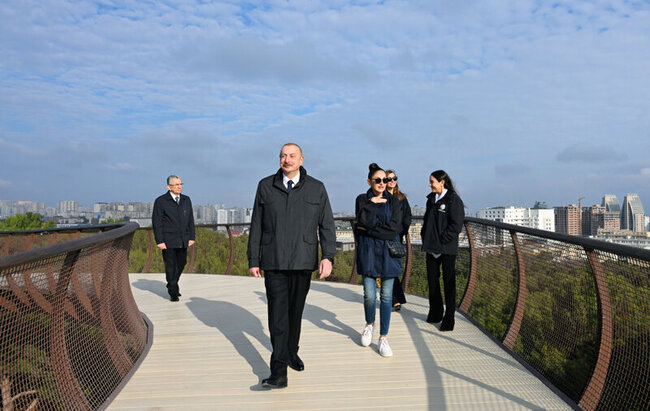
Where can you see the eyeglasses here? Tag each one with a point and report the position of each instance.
(177, 184)
(394, 178)
(379, 180)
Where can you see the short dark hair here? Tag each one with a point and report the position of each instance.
(169, 179)
(290, 144)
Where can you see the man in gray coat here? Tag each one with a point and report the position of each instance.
(291, 213)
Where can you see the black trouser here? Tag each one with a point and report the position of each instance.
(286, 292)
(175, 259)
(448, 263)
(398, 293)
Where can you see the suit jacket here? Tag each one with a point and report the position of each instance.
(443, 222)
(286, 226)
(173, 224)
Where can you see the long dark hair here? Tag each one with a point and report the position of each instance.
(441, 176)
(372, 169)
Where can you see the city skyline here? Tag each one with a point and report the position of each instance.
(518, 101)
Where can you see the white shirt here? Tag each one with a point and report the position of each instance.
(285, 180)
(174, 197)
(439, 196)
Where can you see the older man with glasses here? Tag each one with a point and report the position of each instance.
(173, 229)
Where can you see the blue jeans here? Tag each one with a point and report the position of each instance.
(370, 301)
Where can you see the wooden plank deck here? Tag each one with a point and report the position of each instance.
(211, 351)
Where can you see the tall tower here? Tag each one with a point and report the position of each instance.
(612, 216)
(610, 202)
(632, 215)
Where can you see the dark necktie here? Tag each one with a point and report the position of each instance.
(178, 199)
(289, 185)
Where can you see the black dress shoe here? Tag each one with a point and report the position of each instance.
(173, 299)
(275, 382)
(434, 318)
(447, 325)
(296, 363)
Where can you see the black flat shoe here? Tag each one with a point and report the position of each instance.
(296, 363)
(397, 307)
(447, 326)
(174, 299)
(275, 382)
(434, 318)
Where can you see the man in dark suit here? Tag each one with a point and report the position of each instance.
(173, 229)
(290, 214)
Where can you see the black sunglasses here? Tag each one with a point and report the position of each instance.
(391, 178)
(379, 180)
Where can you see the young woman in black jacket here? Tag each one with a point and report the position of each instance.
(379, 218)
(443, 222)
(392, 187)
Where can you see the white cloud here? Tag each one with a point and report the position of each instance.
(214, 88)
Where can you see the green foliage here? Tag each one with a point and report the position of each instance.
(28, 221)
(112, 220)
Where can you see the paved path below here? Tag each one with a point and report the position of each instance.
(211, 351)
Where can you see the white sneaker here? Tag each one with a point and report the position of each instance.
(366, 335)
(384, 348)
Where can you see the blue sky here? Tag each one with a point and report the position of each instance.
(518, 101)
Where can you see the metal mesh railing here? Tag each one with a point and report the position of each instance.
(71, 331)
(575, 310)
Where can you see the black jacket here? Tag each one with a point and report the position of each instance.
(443, 222)
(286, 226)
(372, 256)
(406, 216)
(173, 224)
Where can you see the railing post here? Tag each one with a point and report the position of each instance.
(409, 262)
(518, 314)
(471, 282)
(30, 242)
(66, 381)
(147, 264)
(591, 396)
(231, 258)
(190, 265)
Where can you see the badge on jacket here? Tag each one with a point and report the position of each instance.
(442, 207)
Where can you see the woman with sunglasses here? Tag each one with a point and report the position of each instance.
(392, 187)
(443, 222)
(378, 220)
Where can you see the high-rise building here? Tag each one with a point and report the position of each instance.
(612, 216)
(68, 207)
(593, 218)
(611, 204)
(568, 220)
(540, 218)
(632, 214)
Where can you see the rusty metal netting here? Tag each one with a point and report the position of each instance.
(576, 310)
(496, 279)
(559, 329)
(70, 328)
(628, 375)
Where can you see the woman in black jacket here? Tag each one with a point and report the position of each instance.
(378, 217)
(392, 187)
(443, 222)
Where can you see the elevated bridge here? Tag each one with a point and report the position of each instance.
(545, 322)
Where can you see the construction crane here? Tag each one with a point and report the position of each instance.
(580, 198)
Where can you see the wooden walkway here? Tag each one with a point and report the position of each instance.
(211, 350)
